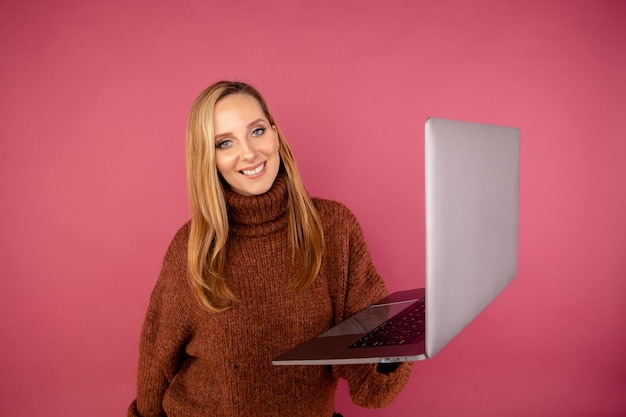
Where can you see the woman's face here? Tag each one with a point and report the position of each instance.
(246, 145)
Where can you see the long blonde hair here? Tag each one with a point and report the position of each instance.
(206, 253)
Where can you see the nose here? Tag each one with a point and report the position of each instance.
(247, 151)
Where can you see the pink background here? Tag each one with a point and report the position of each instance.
(94, 97)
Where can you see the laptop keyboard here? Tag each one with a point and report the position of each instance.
(401, 329)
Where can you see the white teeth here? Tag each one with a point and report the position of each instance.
(253, 171)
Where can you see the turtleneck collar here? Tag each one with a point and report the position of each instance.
(258, 215)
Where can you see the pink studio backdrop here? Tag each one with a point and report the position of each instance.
(93, 105)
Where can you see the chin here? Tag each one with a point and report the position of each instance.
(256, 190)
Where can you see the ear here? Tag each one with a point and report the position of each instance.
(277, 139)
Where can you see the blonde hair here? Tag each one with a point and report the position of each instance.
(206, 253)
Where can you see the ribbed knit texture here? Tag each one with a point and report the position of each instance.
(196, 363)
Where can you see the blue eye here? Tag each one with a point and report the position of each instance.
(258, 131)
(223, 144)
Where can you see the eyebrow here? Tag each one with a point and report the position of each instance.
(254, 122)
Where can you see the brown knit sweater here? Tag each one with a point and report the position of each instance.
(196, 363)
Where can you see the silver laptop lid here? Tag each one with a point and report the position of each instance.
(472, 208)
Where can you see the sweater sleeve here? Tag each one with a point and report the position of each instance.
(166, 328)
(367, 386)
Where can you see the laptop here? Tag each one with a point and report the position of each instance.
(472, 210)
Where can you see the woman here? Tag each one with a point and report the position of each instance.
(259, 268)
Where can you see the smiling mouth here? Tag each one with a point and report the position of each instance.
(253, 171)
